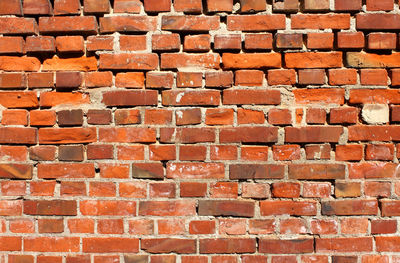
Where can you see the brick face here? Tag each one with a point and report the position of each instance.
(199, 131)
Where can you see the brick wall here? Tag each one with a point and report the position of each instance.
(192, 131)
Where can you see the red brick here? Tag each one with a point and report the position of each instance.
(321, 21)
(344, 5)
(312, 5)
(127, 24)
(68, 80)
(195, 170)
(110, 226)
(286, 152)
(261, 226)
(95, 43)
(345, 115)
(376, 77)
(11, 7)
(380, 226)
(110, 245)
(189, 79)
(66, 7)
(192, 189)
(15, 117)
(256, 22)
(70, 44)
(50, 207)
(157, 6)
(11, 135)
(255, 190)
(192, 153)
(249, 134)
(22, 226)
(163, 190)
(159, 80)
(197, 43)
(338, 245)
(169, 245)
(258, 41)
(18, 25)
(255, 153)
(185, 60)
(20, 259)
(354, 225)
(127, 6)
(249, 78)
(349, 152)
(289, 41)
(219, 117)
(190, 97)
(378, 21)
(133, 190)
(144, 61)
(296, 208)
(287, 6)
(191, 6)
(11, 45)
(339, 77)
(316, 171)
(382, 41)
(13, 188)
(324, 227)
(325, 96)
(68, 24)
(50, 225)
(36, 44)
(320, 40)
(251, 96)
(48, 259)
(247, 116)
(313, 134)
(379, 152)
(96, 6)
(190, 23)
(167, 42)
(130, 98)
(219, 5)
(224, 190)
(255, 171)
(377, 189)
(311, 77)
(291, 246)
(281, 77)
(350, 40)
(316, 190)
(350, 207)
(227, 245)
(129, 80)
(383, 5)
(286, 190)
(132, 43)
(372, 170)
(10, 243)
(314, 60)
(188, 116)
(228, 42)
(42, 153)
(251, 60)
(364, 60)
(167, 208)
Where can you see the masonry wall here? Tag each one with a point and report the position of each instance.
(191, 131)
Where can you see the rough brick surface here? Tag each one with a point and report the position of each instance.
(199, 131)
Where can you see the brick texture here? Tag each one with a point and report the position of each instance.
(199, 131)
